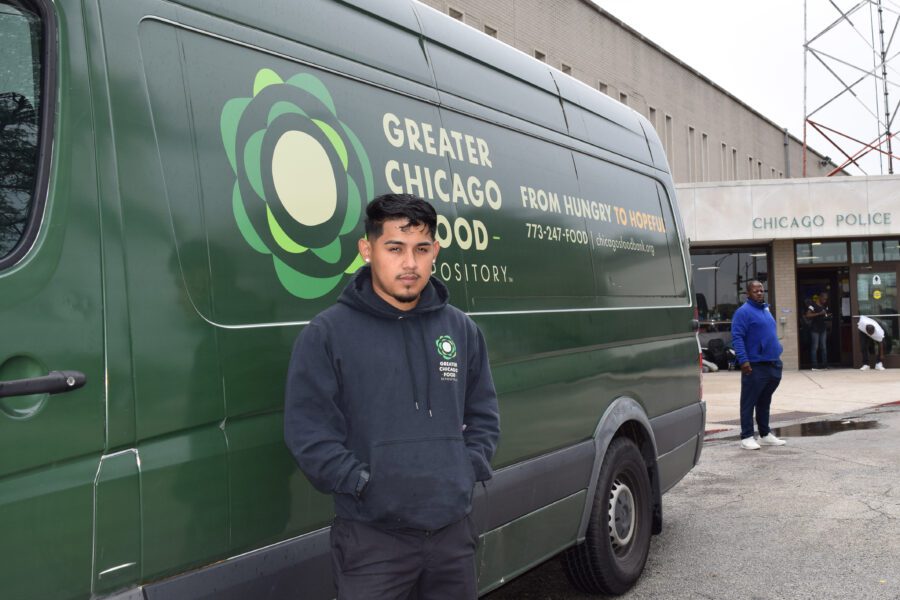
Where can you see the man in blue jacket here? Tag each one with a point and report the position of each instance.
(758, 351)
(390, 407)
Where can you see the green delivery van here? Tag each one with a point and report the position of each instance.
(182, 185)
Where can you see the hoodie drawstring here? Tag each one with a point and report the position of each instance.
(427, 377)
(409, 365)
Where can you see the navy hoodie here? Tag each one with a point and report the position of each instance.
(405, 396)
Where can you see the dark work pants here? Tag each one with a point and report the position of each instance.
(756, 394)
(405, 564)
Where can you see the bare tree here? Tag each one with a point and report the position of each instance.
(18, 166)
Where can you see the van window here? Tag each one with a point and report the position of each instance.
(523, 237)
(20, 81)
(634, 236)
(678, 247)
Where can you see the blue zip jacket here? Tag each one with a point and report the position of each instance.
(406, 397)
(754, 335)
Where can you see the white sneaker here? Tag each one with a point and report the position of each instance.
(771, 440)
(879, 367)
(749, 444)
(866, 367)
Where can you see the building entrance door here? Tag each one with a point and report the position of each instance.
(811, 283)
(874, 292)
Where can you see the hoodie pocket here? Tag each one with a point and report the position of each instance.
(770, 349)
(423, 482)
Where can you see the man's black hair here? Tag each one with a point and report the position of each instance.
(408, 207)
(752, 282)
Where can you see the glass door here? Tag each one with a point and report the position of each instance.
(875, 296)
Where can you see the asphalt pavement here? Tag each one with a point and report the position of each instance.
(817, 518)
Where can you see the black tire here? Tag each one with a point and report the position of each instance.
(611, 560)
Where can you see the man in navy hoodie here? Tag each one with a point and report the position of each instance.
(390, 408)
(758, 351)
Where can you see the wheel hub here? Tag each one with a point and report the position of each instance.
(621, 515)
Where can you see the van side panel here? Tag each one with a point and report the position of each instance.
(588, 359)
(51, 311)
(178, 397)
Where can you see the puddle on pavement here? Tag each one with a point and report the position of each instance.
(823, 428)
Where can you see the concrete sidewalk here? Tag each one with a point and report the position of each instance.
(802, 395)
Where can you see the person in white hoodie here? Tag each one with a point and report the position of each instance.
(871, 331)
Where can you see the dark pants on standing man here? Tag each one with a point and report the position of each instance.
(756, 394)
(818, 346)
(404, 564)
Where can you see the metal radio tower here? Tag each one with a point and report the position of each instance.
(853, 37)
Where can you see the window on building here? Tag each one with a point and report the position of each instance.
(456, 14)
(759, 169)
(540, 56)
(565, 69)
(886, 250)
(651, 114)
(623, 98)
(704, 157)
(720, 277)
(814, 253)
(603, 87)
(20, 127)
(669, 139)
(859, 252)
(723, 162)
(691, 155)
(734, 164)
(749, 167)
(490, 31)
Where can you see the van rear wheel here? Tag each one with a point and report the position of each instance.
(617, 541)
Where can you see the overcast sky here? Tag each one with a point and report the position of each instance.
(754, 50)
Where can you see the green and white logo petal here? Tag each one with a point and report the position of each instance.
(302, 180)
(446, 347)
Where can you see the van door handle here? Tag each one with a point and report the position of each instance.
(54, 382)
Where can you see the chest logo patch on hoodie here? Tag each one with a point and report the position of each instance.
(446, 348)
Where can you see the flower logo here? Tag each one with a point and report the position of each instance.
(302, 180)
(446, 347)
